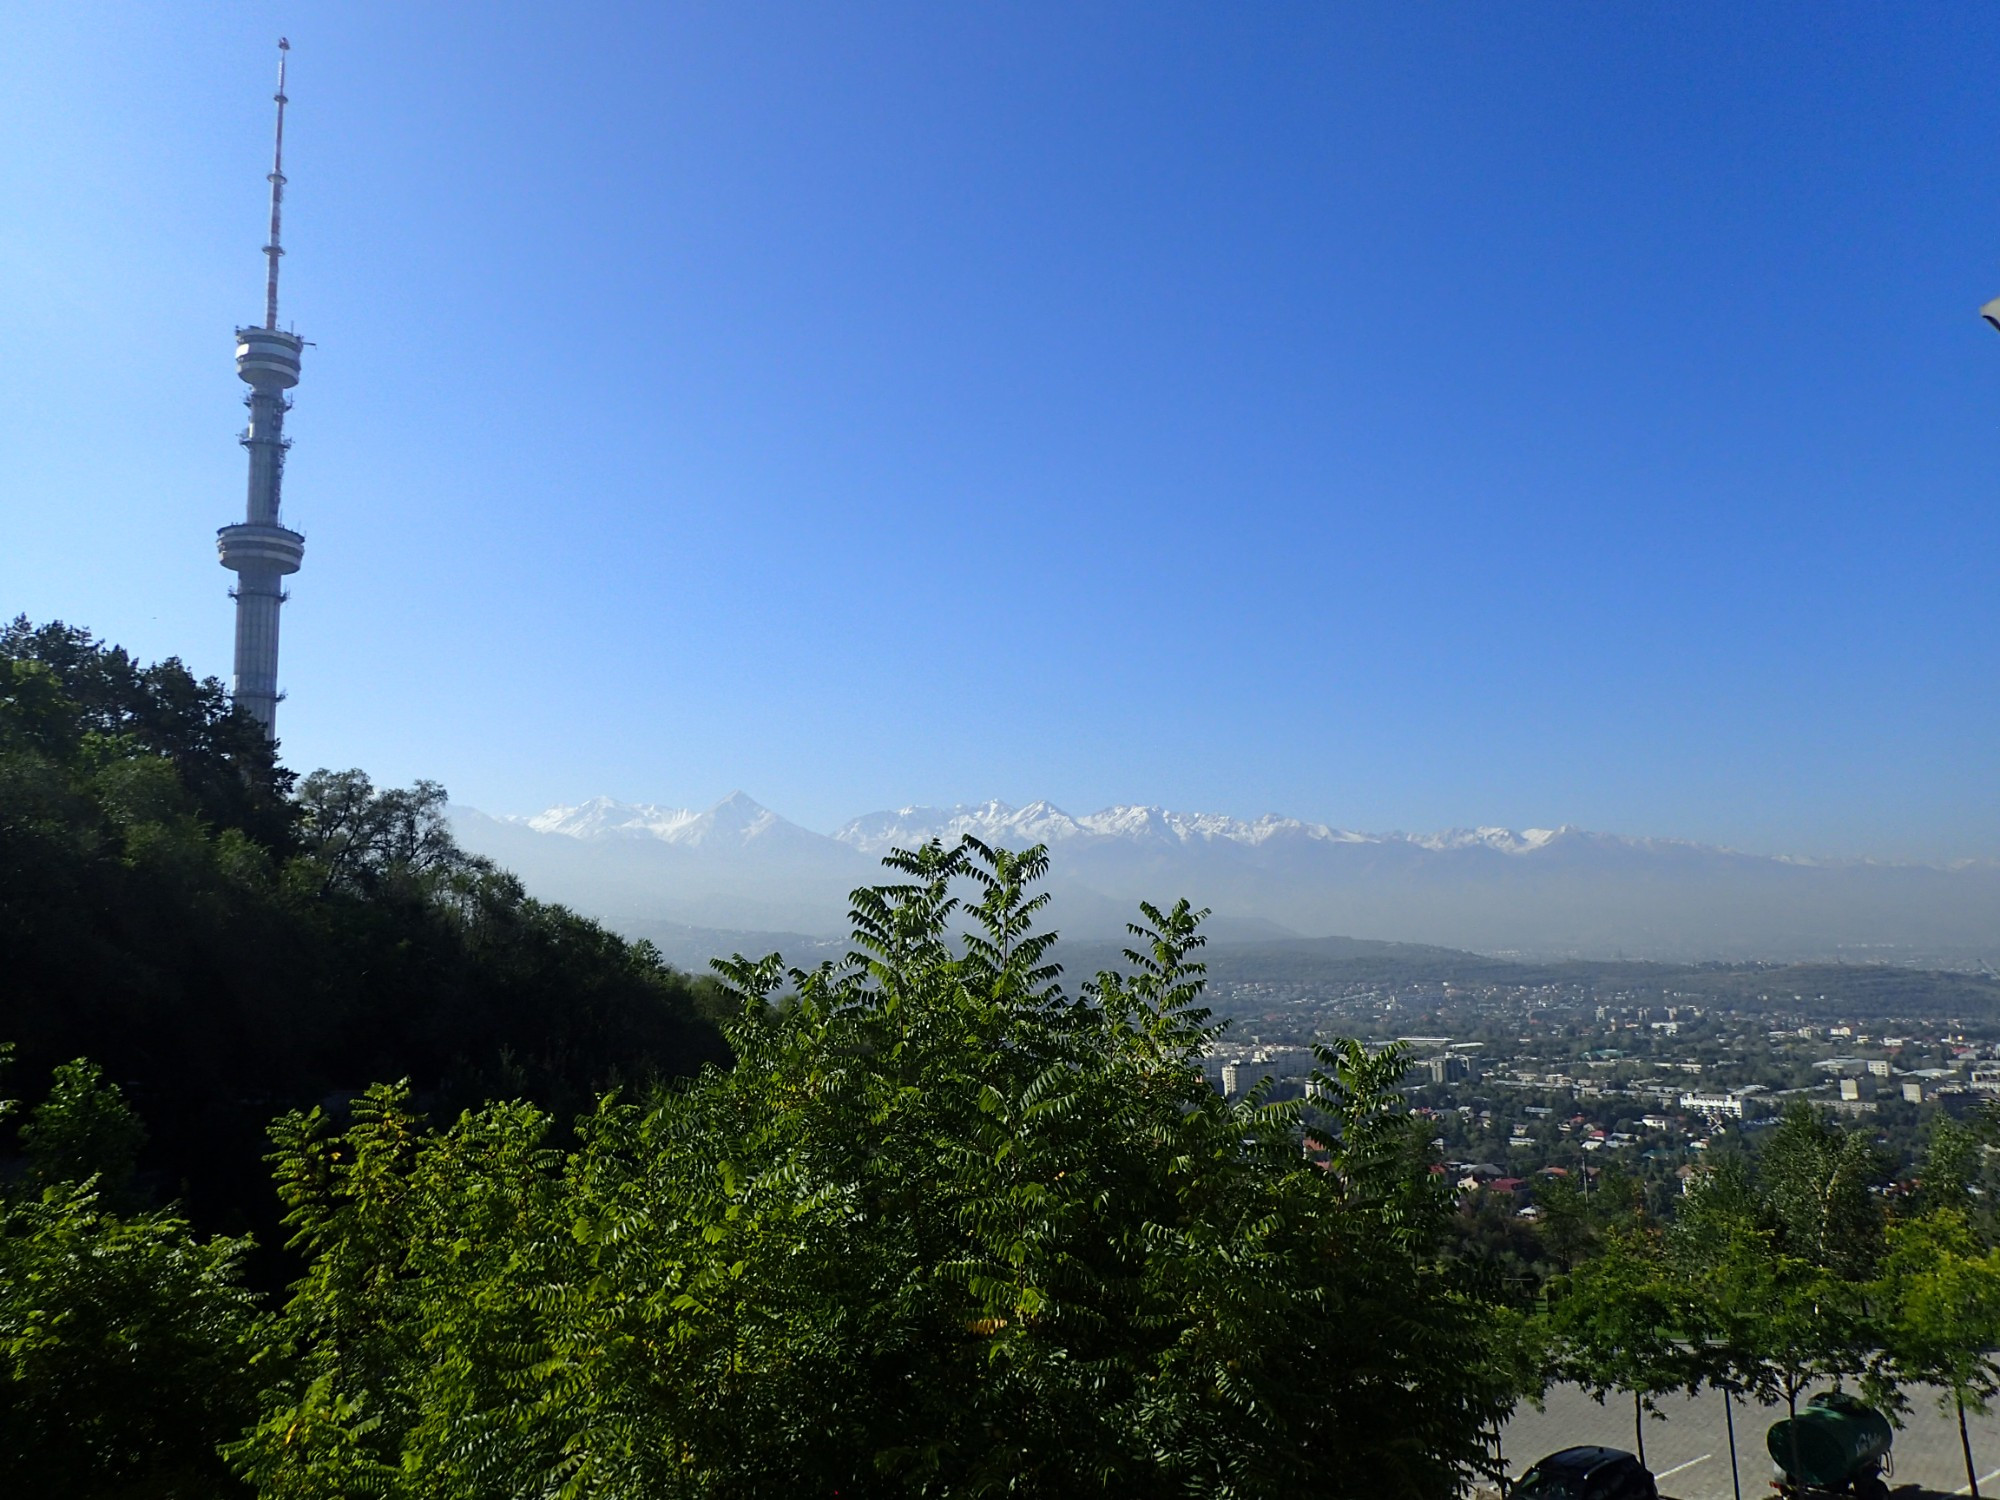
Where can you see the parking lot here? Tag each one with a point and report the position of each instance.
(1689, 1451)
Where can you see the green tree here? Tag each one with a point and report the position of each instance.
(1794, 1323)
(1940, 1294)
(1779, 1263)
(943, 1228)
(126, 1341)
(1760, 1321)
(1565, 1223)
(1619, 1322)
(83, 1130)
(228, 944)
(363, 839)
(1951, 1168)
(1816, 1179)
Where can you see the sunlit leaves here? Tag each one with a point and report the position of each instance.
(943, 1228)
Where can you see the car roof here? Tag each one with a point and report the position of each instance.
(1583, 1460)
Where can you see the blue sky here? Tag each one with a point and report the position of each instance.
(1402, 416)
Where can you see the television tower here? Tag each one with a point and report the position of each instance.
(261, 551)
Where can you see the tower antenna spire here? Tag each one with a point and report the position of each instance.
(273, 250)
(261, 550)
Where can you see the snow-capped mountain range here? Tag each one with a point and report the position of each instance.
(739, 819)
(735, 819)
(1045, 823)
(739, 865)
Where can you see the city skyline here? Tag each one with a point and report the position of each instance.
(1388, 420)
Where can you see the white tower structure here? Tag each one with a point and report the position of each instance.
(261, 550)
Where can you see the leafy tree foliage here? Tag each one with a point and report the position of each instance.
(1816, 1180)
(1951, 1167)
(1567, 1225)
(1762, 1285)
(125, 1340)
(228, 943)
(84, 1129)
(1940, 1299)
(943, 1228)
(63, 693)
(1937, 1299)
(1773, 1267)
(364, 840)
(1621, 1324)
(1761, 1320)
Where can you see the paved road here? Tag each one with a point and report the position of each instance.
(1689, 1450)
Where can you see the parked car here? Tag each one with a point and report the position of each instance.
(1588, 1473)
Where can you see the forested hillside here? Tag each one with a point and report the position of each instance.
(228, 941)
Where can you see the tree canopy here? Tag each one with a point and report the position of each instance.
(943, 1228)
(227, 942)
(126, 1339)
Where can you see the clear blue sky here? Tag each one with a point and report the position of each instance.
(1398, 415)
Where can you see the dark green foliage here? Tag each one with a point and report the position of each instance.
(1619, 1323)
(1816, 1179)
(943, 1229)
(369, 841)
(83, 1130)
(1567, 1225)
(1951, 1166)
(1939, 1306)
(226, 950)
(66, 695)
(125, 1340)
(1771, 1260)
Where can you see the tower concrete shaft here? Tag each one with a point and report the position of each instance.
(262, 550)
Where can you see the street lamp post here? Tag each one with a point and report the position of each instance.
(1991, 313)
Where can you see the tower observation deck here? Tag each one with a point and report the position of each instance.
(261, 550)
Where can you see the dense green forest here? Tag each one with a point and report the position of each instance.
(228, 941)
(351, 1170)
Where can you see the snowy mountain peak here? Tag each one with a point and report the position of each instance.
(737, 818)
(740, 813)
(992, 822)
(1501, 840)
(1045, 823)
(604, 817)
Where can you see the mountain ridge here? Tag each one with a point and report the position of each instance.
(1564, 890)
(1042, 821)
